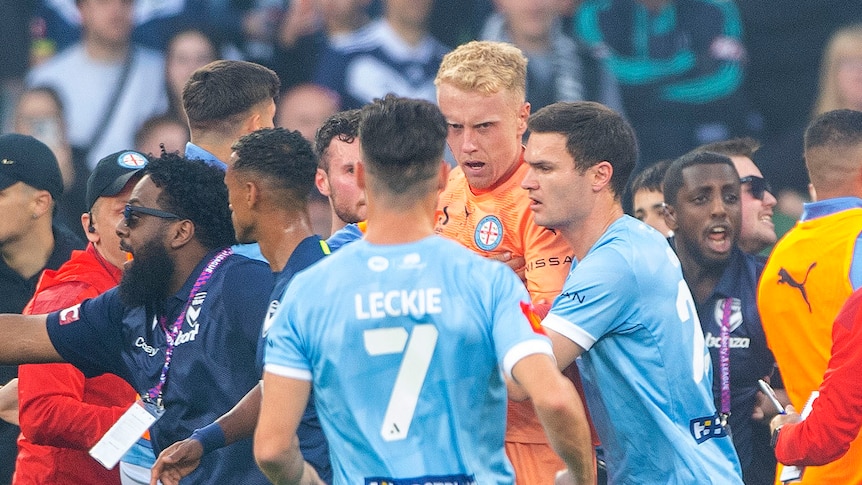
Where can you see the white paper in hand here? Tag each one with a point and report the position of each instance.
(790, 474)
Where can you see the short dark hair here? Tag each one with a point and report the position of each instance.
(343, 125)
(402, 141)
(650, 178)
(196, 191)
(219, 93)
(594, 133)
(284, 158)
(840, 127)
(735, 147)
(673, 176)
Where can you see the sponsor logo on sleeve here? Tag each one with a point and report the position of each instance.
(71, 314)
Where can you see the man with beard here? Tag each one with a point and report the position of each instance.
(182, 327)
(704, 209)
(337, 148)
(269, 178)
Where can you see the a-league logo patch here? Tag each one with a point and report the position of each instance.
(489, 233)
(705, 428)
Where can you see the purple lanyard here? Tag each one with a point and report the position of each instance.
(724, 357)
(171, 334)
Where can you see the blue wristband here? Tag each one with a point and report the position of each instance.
(211, 437)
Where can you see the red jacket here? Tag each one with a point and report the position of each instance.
(62, 413)
(832, 428)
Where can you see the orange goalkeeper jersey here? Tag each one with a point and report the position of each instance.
(500, 220)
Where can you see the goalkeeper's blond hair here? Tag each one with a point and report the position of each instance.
(485, 67)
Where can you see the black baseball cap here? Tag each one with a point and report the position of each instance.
(112, 173)
(26, 159)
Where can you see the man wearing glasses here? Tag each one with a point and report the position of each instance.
(704, 209)
(182, 327)
(757, 233)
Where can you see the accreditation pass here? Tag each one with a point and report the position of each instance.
(125, 433)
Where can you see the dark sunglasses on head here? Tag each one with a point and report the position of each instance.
(757, 186)
(130, 210)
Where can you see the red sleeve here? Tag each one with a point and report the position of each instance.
(52, 411)
(51, 407)
(836, 415)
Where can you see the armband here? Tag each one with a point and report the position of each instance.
(211, 437)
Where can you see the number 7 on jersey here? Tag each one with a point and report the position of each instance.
(411, 373)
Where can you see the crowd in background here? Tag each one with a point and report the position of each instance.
(687, 73)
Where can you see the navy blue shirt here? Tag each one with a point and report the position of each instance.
(312, 442)
(212, 366)
(750, 359)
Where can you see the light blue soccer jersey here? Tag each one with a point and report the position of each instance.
(646, 371)
(406, 346)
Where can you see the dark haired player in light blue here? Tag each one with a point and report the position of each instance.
(407, 349)
(625, 307)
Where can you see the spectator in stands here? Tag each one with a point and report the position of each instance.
(305, 107)
(108, 85)
(40, 114)
(395, 54)
(558, 69)
(162, 130)
(679, 64)
(187, 51)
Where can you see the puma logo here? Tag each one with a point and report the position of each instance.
(784, 277)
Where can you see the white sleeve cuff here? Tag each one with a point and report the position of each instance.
(289, 372)
(523, 349)
(569, 330)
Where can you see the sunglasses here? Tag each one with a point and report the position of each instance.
(757, 186)
(130, 210)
